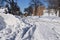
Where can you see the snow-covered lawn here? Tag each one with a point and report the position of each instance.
(29, 28)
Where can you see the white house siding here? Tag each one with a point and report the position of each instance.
(52, 12)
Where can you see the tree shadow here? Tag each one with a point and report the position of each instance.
(2, 23)
(30, 33)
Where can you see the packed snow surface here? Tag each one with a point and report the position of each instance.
(29, 28)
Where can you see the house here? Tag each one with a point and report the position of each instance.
(39, 11)
(50, 12)
(33, 12)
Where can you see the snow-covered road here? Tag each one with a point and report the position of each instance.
(29, 28)
(46, 28)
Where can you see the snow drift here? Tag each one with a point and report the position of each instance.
(29, 28)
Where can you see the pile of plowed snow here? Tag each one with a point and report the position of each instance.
(29, 28)
(10, 26)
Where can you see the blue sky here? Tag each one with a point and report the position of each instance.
(25, 3)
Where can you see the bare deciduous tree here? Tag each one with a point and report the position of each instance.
(29, 10)
(35, 4)
(54, 4)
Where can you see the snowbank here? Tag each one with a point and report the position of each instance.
(29, 28)
(10, 26)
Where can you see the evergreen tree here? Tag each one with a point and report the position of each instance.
(14, 8)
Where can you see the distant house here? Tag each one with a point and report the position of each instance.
(39, 11)
(51, 12)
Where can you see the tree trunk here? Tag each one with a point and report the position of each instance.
(59, 12)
